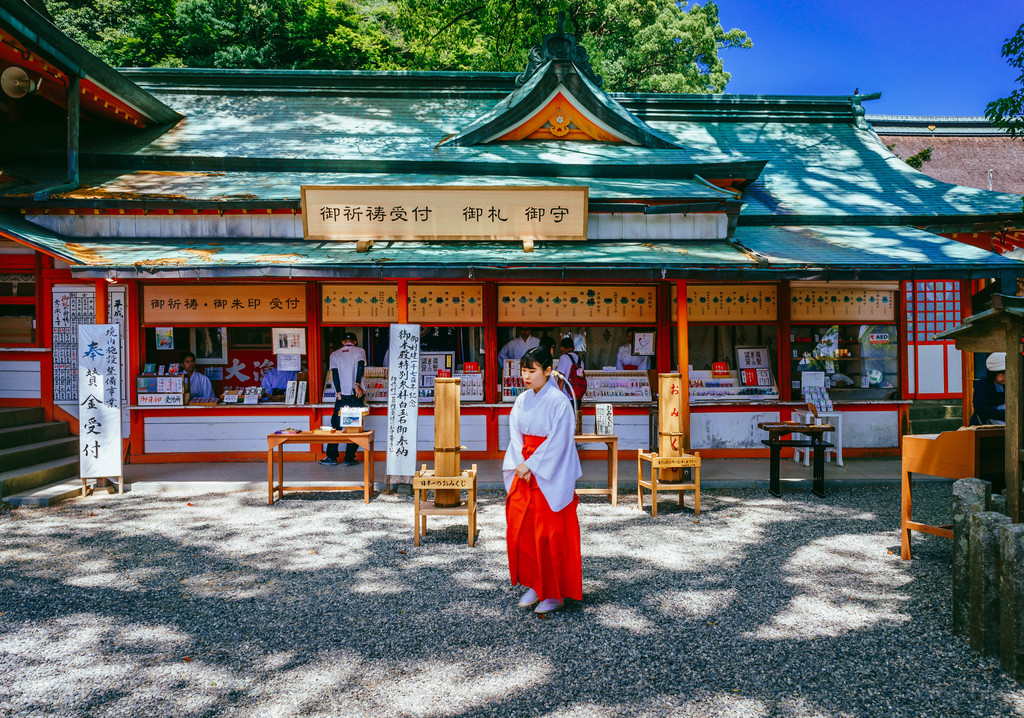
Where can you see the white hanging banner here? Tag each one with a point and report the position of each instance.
(99, 400)
(403, 398)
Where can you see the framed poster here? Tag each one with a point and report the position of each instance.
(288, 341)
(210, 344)
(753, 364)
(643, 344)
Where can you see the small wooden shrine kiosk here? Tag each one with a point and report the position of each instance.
(735, 231)
(1001, 329)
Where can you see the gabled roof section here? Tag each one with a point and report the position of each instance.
(30, 41)
(559, 97)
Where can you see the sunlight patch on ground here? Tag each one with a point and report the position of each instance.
(695, 604)
(827, 603)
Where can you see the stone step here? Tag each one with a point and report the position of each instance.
(48, 494)
(31, 477)
(33, 433)
(934, 426)
(25, 415)
(30, 454)
(936, 411)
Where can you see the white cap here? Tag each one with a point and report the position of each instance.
(996, 362)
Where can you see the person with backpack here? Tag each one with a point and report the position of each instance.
(572, 378)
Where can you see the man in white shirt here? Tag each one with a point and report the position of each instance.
(516, 347)
(627, 360)
(566, 361)
(346, 366)
(199, 385)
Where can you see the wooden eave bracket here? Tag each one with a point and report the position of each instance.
(527, 244)
(364, 245)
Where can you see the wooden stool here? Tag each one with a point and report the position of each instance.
(660, 463)
(424, 480)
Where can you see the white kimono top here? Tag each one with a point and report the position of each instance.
(199, 386)
(626, 356)
(515, 348)
(555, 464)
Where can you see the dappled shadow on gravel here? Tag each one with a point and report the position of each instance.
(218, 604)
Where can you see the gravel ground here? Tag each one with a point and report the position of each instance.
(217, 604)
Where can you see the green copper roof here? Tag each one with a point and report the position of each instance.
(864, 252)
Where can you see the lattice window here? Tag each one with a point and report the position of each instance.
(931, 307)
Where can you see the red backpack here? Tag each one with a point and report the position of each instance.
(577, 378)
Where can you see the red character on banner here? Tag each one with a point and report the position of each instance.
(675, 412)
(675, 442)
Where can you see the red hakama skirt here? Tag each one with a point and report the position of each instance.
(543, 545)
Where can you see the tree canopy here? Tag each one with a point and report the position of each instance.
(1008, 112)
(636, 45)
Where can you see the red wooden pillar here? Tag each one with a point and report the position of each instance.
(44, 332)
(135, 338)
(101, 301)
(785, 345)
(683, 349)
(403, 301)
(491, 377)
(314, 351)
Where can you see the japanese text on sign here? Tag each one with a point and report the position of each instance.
(403, 399)
(99, 394)
(178, 304)
(444, 212)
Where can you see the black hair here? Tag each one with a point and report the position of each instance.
(547, 341)
(349, 337)
(536, 357)
(186, 355)
(568, 343)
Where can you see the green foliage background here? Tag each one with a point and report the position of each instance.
(636, 45)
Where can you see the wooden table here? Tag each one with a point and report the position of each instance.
(776, 430)
(612, 442)
(277, 441)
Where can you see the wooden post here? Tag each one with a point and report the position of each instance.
(683, 353)
(101, 301)
(447, 441)
(403, 301)
(1014, 417)
(670, 422)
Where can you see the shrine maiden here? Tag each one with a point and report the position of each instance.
(541, 468)
(627, 360)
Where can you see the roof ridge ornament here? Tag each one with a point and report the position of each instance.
(559, 46)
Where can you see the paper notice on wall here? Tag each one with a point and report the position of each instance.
(289, 362)
(99, 400)
(403, 399)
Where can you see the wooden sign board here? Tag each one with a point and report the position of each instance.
(842, 304)
(730, 302)
(350, 213)
(359, 303)
(532, 304)
(446, 303)
(270, 303)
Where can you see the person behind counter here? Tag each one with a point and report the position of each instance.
(199, 385)
(569, 359)
(275, 381)
(540, 469)
(516, 347)
(990, 392)
(627, 360)
(347, 366)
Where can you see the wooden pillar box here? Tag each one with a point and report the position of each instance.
(670, 461)
(447, 480)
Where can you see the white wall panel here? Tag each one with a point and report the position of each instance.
(20, 380)
(871, 429)
(729, 429)
(216, 434)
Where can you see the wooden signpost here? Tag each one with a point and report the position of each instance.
(668, 463)
(447, 481)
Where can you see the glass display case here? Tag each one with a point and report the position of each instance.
(860, 361)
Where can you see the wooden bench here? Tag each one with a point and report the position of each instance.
(277, 441)
(612, 441)
(424, 480)
(659, 464)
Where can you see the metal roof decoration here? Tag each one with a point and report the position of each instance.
(559, 96)
(29, 40)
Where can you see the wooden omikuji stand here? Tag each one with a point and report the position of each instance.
(447, 481)
(670, 459)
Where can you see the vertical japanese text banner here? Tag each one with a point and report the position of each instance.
(99, 400)
(403, 398)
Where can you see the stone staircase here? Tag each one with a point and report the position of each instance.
(38, 459)
(931, 416)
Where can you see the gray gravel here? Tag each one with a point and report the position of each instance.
(217, 604)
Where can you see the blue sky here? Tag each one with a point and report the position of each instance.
(926, 58)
